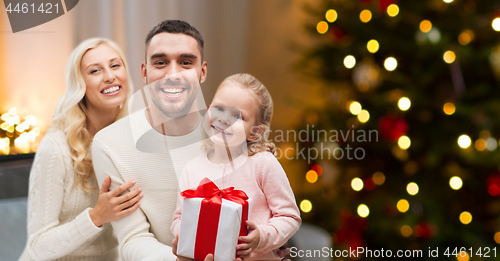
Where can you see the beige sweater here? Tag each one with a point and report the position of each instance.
(59, 225)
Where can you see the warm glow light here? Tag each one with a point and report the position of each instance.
(464, 141)
(331, 15)
(365, 16)
(465, 217)
(456, 183)
(496, 24)
(449, 56)
(403, 205)
(404, 104)
(406, 231)
(349, 61)
(449, 108)
(412, 188)
(480, 144)
(306, 206)
(372, 46)
(425, 26)
(355, 108)
(363, 211)
(393, 10)
(448, 1)
(497, 237)
(465, 37)
(404, 142)
(390, 64)
(363, 116)
(357, 184)
(463, 256)
(312, 176)
(378, 178)
(322, 27)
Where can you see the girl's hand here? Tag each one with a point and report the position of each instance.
(110, 206)
(251, 241)
(209, 257)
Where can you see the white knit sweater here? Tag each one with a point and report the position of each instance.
(59, 225)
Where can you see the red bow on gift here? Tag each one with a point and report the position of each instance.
(206, 233)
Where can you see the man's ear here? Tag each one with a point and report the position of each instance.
(256, 132)
(203, 75)
(144, 73)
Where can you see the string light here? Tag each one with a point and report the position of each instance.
(363, 210)
(464, 141)
(363, 116)
(349, 61)
(355, 108)
(465, 217)
(449, 57)
(496, 24)
(322, 27)
(357, 184)
(393, 10)
(456, 183)
(306, 206)
(331, 15)
(425, 26)
(372, 46)
(365, 16)
(449, 108)
(403, 205)
(390, 64)
(412, 188)
(404, 103)
(404, 142)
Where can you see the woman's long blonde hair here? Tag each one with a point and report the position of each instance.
(71, 111)
(260, 141)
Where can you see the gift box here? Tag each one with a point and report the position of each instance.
(212, 220)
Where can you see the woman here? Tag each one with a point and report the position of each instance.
(68, 216)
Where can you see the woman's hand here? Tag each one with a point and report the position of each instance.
(110, 206)
(251, 241)
(209, 257)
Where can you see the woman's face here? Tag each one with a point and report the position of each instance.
(105, 78)
(231, 115)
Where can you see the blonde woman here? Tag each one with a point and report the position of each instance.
(68, 216)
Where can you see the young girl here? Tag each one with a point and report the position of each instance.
(238, 154)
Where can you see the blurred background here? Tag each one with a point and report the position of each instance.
(386, 112)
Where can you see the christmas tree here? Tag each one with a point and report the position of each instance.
(412, 89)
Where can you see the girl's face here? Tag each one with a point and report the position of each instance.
(232, 114)
(105, 78)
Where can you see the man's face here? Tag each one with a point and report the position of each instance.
(171, 60)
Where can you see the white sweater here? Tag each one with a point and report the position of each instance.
(59, 225)
(131, 149)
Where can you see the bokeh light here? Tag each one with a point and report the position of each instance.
(496, 24)
(494, 190)
(305, 206)
(464, 141)
(463, 256)
(318, 169)
(449, 57)
(372, 46)
(491, 144)
(312, 176)
(403, 205)
(357, 184)
(497, 237)
(448, 1)
(404, 103)
(365, 16)
(404, 142)
(449, 108)
(390, 64)
(412, 188)
(322, 27)
(363, 116)
(425, 26)
(456, 183)
(393, 10)
(466, 37)
(406, 231)
(465, 217)
(378, 178)
(331, 15)
(349, 61)
(355, 108)
(480, 144)
(363, 210)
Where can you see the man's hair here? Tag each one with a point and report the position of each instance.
(176, 27)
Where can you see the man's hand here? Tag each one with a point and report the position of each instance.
(251, 241)
(209, 257)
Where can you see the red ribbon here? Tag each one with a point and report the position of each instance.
(208, 223)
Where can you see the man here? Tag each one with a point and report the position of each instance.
(156, 141)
